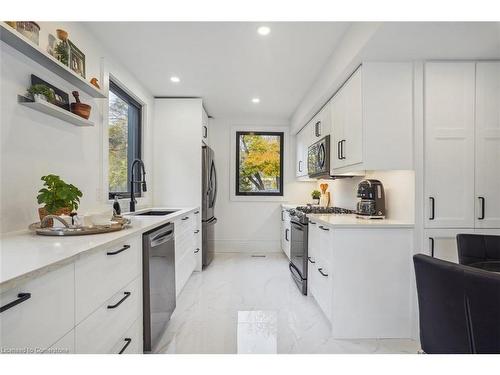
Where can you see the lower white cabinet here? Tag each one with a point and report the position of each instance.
(131, 341)
(285, 232)
(187, 248)
(442, 243)
(46, 312)
(65, 345)
(360, 278)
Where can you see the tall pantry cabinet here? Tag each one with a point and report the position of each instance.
(461, 152)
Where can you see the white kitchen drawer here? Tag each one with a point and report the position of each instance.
(183, 270)
(321, 287)
(41, 320)
(66, 345)
(131, 341)
(100, 332)
(99, 276)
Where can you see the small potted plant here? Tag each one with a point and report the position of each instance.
(58, 197)
(316, 195)
(42, 92)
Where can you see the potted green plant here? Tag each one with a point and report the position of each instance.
(42, 92)
(316, 195)
(58, 197)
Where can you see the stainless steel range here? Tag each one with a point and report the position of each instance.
(299, 239)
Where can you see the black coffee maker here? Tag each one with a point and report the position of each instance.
(372, 202)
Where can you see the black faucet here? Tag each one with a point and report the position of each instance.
(133, 181)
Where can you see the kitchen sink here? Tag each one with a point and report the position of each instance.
(156, 213)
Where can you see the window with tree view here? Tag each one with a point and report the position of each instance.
(124, 139)
(259, 163)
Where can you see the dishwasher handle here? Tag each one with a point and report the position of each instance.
(161, 236)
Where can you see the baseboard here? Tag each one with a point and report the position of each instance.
(251, 247)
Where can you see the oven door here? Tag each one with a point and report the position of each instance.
(298, 248)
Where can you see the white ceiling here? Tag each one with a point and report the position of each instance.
(225, 63)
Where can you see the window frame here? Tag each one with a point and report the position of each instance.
(137, 137)
(237, 191)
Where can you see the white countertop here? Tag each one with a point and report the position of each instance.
(24, 254)
(350, 221)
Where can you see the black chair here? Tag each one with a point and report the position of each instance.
(459, 307)
(443, 323)
(474, 248)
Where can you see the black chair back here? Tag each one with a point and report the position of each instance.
(441, 304)
(459, 307)
(473, 248)
(482, 290)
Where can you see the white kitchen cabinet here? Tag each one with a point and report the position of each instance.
(39, 321)
(65, 345)
(285, 232)
(100, 331)
(303, 140)
(131, 341)
(187, 248)
(346, 147)
(100, 275)
(487, 134)
(442, 243)
(321, 124)
(449, 144)
(360, 279)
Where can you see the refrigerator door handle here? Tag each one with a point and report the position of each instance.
(214, 176)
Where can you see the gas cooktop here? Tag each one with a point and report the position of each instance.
(300, 213)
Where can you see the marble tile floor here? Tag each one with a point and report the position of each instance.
(245, 304)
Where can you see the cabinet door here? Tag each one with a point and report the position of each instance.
(442, 243)
(303, 138)
(337, 113)
(488, 145)
(321, 123)
(351, 146)
(449, 145)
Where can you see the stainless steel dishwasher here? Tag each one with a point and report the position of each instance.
(158, 263)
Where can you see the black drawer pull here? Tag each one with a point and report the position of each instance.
(21, 297)
(197, 250)
(310, 260)
(196, 212)
(312, 222)
(196, 231)
(432, 201)
(320, 270)
(127, 343)
(482, 200)
(127, 294)
(431, 240)
(118, 251)
(185, 218)
(322, 227)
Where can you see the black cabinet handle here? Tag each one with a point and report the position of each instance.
(196, 212)
(312, 222)
(320, 270)
(310, 260)
(342, 143)
(483, 204)
(185, 218)
(196, 231)
(21, 297)
(205, 131)
(432, 201)
(127, 343)
(282, 215)
(300, 165)
(322, 227)
(431, 240)
(118, 251)
(286, 234)
(317, 129)
(197, 251)
(127, 294)
(338, 150)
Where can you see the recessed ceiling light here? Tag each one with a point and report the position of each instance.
(264, 30)
(255, 100)
(175, 79)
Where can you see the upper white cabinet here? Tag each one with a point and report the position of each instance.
(487, 145)
(346, 112)
(321, 124)
(303, 139)
(449, 144)
(462, 144)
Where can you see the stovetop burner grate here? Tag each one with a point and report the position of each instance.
(324, 210)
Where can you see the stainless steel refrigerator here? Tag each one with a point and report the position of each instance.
(208, 199)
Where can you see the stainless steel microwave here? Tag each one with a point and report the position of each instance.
(318, 158)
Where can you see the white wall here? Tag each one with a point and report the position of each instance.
(34, 144)
(252, 227)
